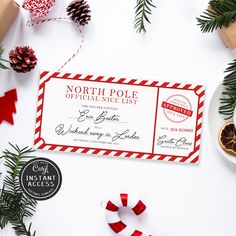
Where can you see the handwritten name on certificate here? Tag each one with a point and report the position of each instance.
(119, 117)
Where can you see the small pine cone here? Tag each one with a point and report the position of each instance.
(79, 12)
(22, 59)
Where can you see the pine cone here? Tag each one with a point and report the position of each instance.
(79, 12)
(22, 59)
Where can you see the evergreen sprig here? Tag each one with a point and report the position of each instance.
(15, 206)
(2, 66)
(228, 98)
(220, 14)
(143, 9)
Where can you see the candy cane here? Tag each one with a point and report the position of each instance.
(113, 219)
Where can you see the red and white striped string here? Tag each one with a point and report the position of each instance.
(35, 21)
(41, 8)
(115, 223)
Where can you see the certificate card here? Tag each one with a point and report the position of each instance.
(119, 117)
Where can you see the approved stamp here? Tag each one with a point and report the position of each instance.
(177, 108)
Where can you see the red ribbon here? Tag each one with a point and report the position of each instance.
(139, 208)
(117, 227)
(124, 199)
(111, 206)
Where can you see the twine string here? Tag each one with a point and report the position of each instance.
(35, 21)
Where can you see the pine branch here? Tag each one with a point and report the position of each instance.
(142, 11)
(15, 206)
(228, 98)
(2, 66)
(220, 14)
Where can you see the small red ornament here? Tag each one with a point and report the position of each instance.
(22, 59)
(38, 7)
(7, 106)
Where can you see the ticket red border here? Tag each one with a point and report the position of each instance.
(40, 143)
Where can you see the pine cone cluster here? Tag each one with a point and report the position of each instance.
(79, 12)
(22, 59)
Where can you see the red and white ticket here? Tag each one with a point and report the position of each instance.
(119, 117)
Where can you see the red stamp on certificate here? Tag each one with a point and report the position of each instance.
(177, 108)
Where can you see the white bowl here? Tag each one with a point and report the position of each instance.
(216, 121)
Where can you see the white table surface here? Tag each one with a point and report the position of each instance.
(182, 200)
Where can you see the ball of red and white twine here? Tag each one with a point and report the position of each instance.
(38, 7)
(115, 223)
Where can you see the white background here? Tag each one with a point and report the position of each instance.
(182, 200)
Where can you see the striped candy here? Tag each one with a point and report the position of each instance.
(113, 219)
